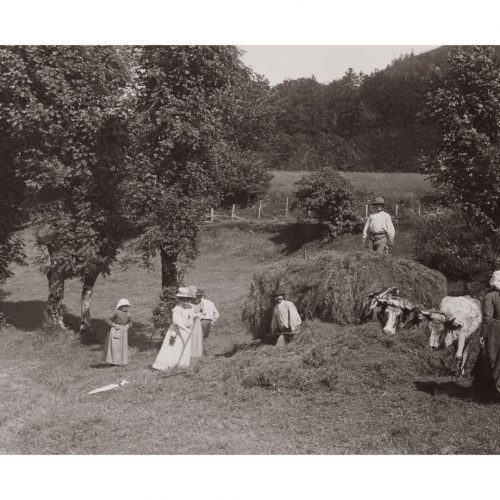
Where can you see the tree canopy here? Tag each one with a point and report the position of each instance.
(465, 101)
(63, 110)
(200, 112)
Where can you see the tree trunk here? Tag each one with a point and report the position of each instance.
(88, 283)
(169, 274)
(54, 312)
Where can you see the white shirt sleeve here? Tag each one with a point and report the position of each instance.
(390, 228)
(293, 317)
(209, 310)
(216, 313)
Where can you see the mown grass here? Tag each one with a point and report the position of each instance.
(394, 186)
(341, 390)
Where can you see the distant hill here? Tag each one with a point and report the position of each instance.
(373, 122)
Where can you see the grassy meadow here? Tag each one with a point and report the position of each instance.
(395, 186)
(341, 390)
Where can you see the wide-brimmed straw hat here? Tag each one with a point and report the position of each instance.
(186, 293)
(378, 201)
(277, 293)
(495, 280)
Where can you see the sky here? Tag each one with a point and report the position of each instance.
(325, 62)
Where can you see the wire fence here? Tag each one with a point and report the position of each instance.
(288, 211)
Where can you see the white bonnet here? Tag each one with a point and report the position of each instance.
(123, 302)
(495, 280)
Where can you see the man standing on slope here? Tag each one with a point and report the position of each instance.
(379, 228)
(209, 315)
(285, 320)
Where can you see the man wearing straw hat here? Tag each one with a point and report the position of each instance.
(379, 228)
(285, 320)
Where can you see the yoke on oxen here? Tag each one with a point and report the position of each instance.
(373, 301)
(390, 309)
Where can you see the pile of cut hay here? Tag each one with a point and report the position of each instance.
(346, 360)
(332, 286)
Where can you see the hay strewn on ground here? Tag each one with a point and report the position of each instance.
(342, 390)
(332, 286)
(345, 360)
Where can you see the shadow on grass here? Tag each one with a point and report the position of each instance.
(28, 315)
(24, 314)
(452, 389)
(239, 347)
(295, 236)
(100, 365)
(139, 333)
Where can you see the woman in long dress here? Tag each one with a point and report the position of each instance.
(487, 371)
(175, 351)
(116, 347)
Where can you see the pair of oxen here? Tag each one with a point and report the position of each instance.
(457, 319)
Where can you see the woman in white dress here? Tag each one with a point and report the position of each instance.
(176, 348)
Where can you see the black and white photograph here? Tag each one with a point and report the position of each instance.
(259, 249)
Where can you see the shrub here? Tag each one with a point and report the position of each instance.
(451, 244)
(333, 285)
(331, 197)
(162, 312)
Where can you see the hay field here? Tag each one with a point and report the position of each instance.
(393, 186)
(346, 390)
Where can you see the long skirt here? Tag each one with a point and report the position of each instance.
(116, 347)
(488, 369)
(175, 352)
(197, 340)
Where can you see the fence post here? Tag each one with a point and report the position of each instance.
(419, 210)
(260, 209)
(212, 214)
(397, 207)
(232, 213)
(366, 210)
(286, 208)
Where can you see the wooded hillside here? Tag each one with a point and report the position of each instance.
(361, 122)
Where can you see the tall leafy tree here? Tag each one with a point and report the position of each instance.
(192, 127)
(345, 113)
(12, 213)
(465, 101)
(65, 108)
(246, 138)
(12, 188)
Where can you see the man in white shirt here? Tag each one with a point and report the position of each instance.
(379, 228)
(285, 320)
(208, 313)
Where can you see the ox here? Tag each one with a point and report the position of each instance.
(456, 321)
(391, 310)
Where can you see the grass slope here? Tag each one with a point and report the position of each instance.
(343, 390)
